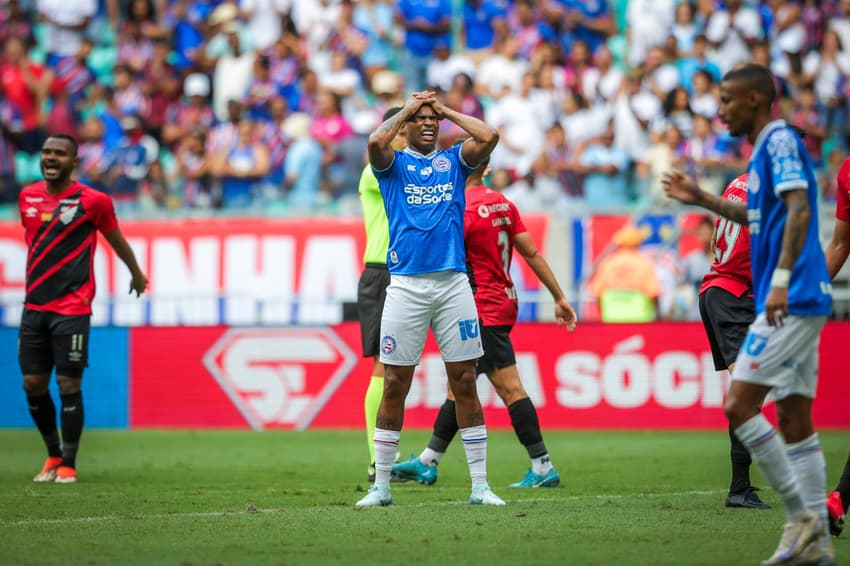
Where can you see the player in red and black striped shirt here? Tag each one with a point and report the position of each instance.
(836, 254)
(61, 218)
(493, 227)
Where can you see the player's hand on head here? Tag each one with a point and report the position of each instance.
(680, 187)
(139, 283)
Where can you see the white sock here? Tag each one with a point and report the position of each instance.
(810, 467)
(768, 451)
(386, 444)
(541, 465)
(430, 457)
(475, 444)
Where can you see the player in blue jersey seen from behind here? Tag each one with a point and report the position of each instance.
(423, 191)
(792, 296)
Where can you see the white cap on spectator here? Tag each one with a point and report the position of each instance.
(792, 39)
(297, 126)
(386, 82)
(226, 12)
(364, 121)
(196, 84)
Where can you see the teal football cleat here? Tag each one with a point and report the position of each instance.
(483, 495)
(414, 469)
(377, 496)
(551, 479)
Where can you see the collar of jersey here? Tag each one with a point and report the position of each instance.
(766, 131)
(415, 153)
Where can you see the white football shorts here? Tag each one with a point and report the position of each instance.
(440, 301)
(784, 358)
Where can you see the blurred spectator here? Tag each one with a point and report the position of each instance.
(649, 22)
(161, 86)
(93, 153)
(425, 23)
(187, 21)
(589, 21)
(625, 282)
(662, 156)
(134, 48)
(303, 163)
(276, 141)
(340, 79)
(223, 136)
(10, 125)
(23, 83)
(521, 134)
(580, 122)
(563, 159)
(285, 67)
(840, 24)
(223, 23)
(345, 37)
(684, 29)
(263, 19)
(128, 165)
(67, 83)
(66, 21)
(546, 96)
(677, 112)
(503, 69)
(193, 171)
(331, 130)
(704, 99)
(731, 30)
(698, 261)
(634, 110)
(241, 169)
(375, 19)
(703, 155)
(605, 168)
(192, 113)
(484, 24)
(807, 115)
(16, 22)
(444, 66)
(538, 190)
(387, 87)
(659, 76)
(697, 61)
(523, 25)
(602, 81)
(232, 73)
(826, 67)
(128, 95)
(261, 89)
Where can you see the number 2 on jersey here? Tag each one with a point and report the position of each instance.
(729, 232)
(504, 243)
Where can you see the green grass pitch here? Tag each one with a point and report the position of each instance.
(203, 498)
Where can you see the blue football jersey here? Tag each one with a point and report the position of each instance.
(424, 199)
(781, 163)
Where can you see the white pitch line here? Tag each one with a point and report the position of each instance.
(196, 515)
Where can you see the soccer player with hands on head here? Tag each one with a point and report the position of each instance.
(423, 192)
(61, 219)
(792, 297)
(493, 228)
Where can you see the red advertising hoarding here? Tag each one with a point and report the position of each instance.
(654, 376)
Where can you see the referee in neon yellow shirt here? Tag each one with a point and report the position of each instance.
(372, 287)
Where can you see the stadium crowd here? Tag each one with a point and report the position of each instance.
(208, 104)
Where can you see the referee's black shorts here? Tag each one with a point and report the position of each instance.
(371, 293)
(727, 319)
(498, 349)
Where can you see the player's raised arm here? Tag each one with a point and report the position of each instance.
(564, 313)
(682, 188)
(380, 141)
(116, 239)
(484, 138)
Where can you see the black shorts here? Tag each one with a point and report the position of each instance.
(371, 293)
(727, 319)
(47, 340)
(498, 349)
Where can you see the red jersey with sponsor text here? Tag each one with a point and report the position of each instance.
(731, 268)
(61, 235)
(842, 207)
(490, 224)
